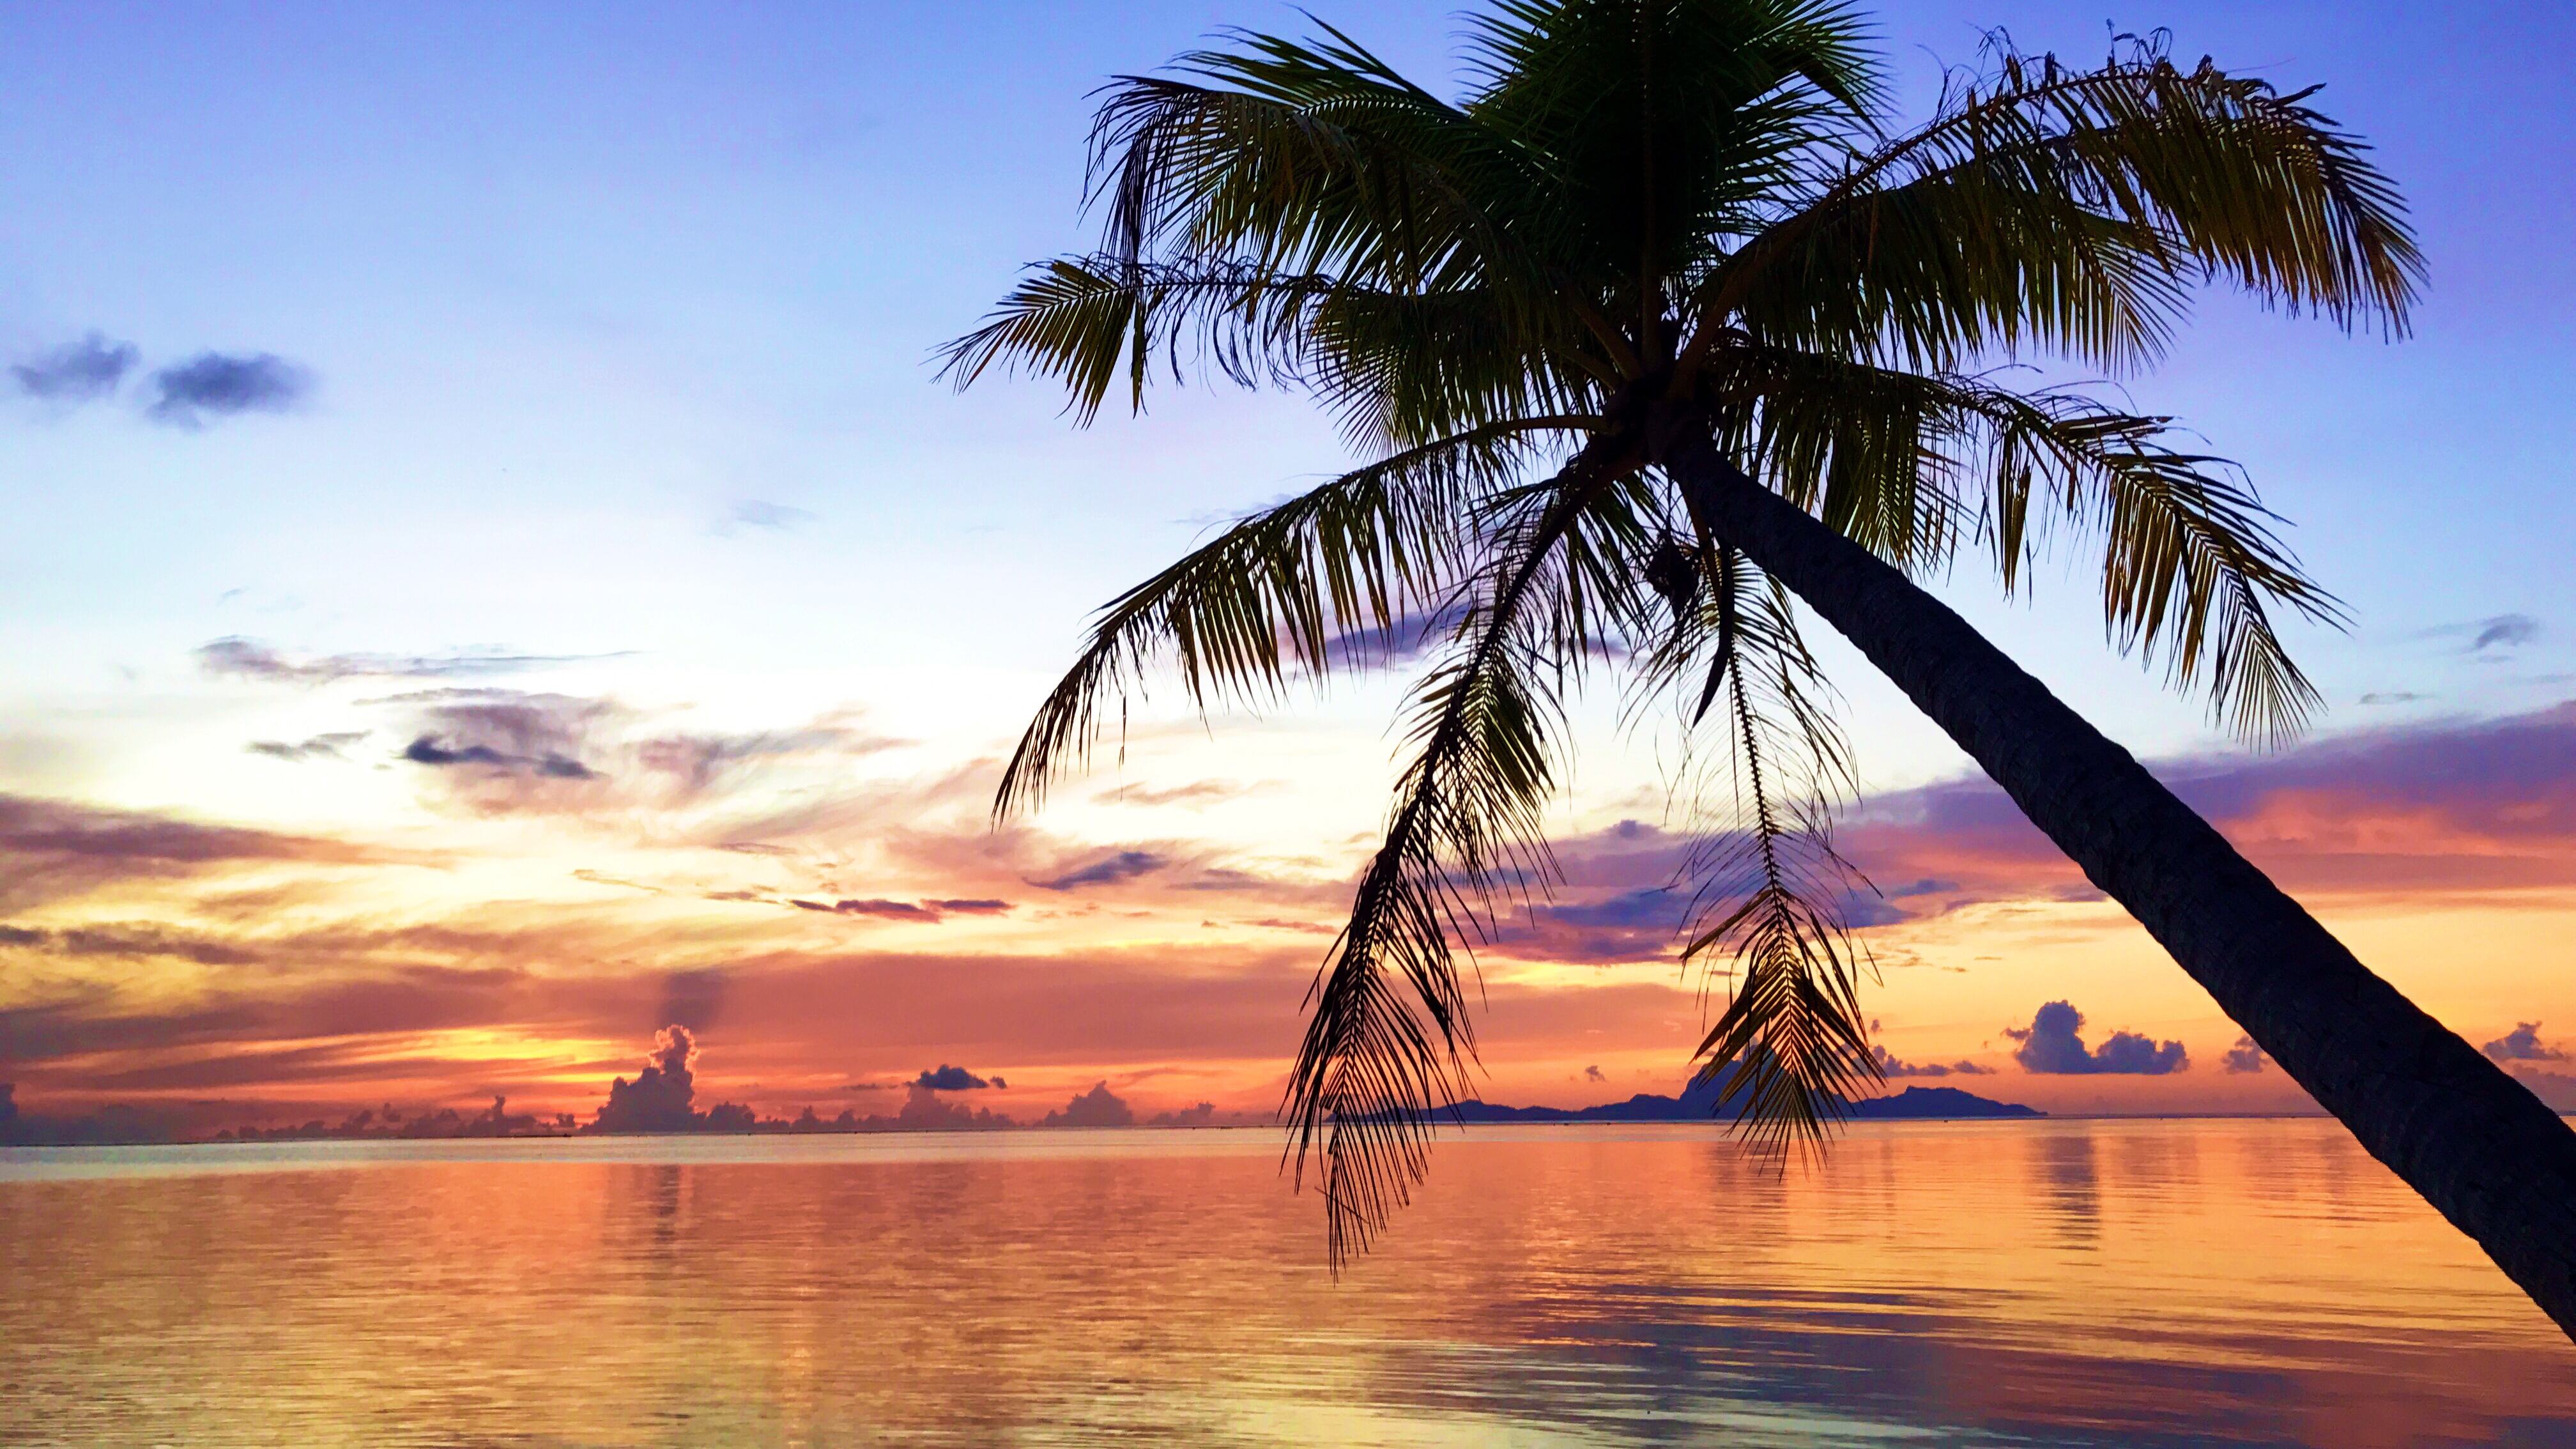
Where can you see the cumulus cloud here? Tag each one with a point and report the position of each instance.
(1594, 1074)
(220, 384)
(1889, 1066)
(2050, 1045)
(658, 1100)
(2523, 1044)
(1125, 865)
(2244, 1057)
(76, 372)
(1202, 1115)
(945, 1078)
(1099, 1107)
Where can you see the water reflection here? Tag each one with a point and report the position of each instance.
(2053, 1283)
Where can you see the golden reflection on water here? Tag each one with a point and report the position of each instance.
(2057, 1283)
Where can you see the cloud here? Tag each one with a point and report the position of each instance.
(428, 750)
(218, 384)
(1123, 866)
(1098, 1107)
(53, 850)
(500, 750)
(697, 764)
(1889, 1066)
(126, 940)
(2050, 1046)
(931, 912)
(1594, 1074)
(2244, 1057)
(76, 372)
(945, 1078)
(1404, 638)
(926, 1111)
(1191, 793)
(319, 747)
(776, 516)
(1202, 1115)
(2523, 1044)
(236, 657)
(2504, 631)
(659, 1097)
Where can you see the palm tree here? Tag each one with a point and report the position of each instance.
(1659, 328)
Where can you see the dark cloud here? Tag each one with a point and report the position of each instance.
(127, 940)
(1124, 866)
(931, 912)
(2394, 696)
(2523, 1044)
(1202, 1115)
(2504, 631)
(926, 1111)
(1594, 1074)
(237, 657)
(2244, 1057)
(500, 750)
(1099, 1107)
(658, 1100)
(76, 372)
(2050, 1046)
(428, 750)
(945, 1078)
(320, 747)
(891, 910)
(1889, 1066)
(217, 384)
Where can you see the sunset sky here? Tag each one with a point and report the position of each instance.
(487, 572)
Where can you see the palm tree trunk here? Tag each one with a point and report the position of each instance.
(2477, 1144)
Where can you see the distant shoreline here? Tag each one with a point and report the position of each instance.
(1720, 1126)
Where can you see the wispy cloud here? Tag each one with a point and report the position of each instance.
(1124, 865)
(234, 656)
(76, 372)
(332, 746)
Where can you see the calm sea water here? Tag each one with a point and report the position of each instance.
(2057, 1283)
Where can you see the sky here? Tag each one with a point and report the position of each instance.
(488, 573)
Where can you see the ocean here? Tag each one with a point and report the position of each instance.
(2167, 1282)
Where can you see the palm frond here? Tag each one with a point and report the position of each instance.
(2055, 208)
(1792, 1044)
(1388, 1037)
(2193, 568)
(1275, 591)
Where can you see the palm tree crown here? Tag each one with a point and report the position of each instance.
(1641, 205)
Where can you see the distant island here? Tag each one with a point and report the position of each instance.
(1699, 1102)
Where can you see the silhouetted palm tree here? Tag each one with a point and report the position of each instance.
(1656, 329)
